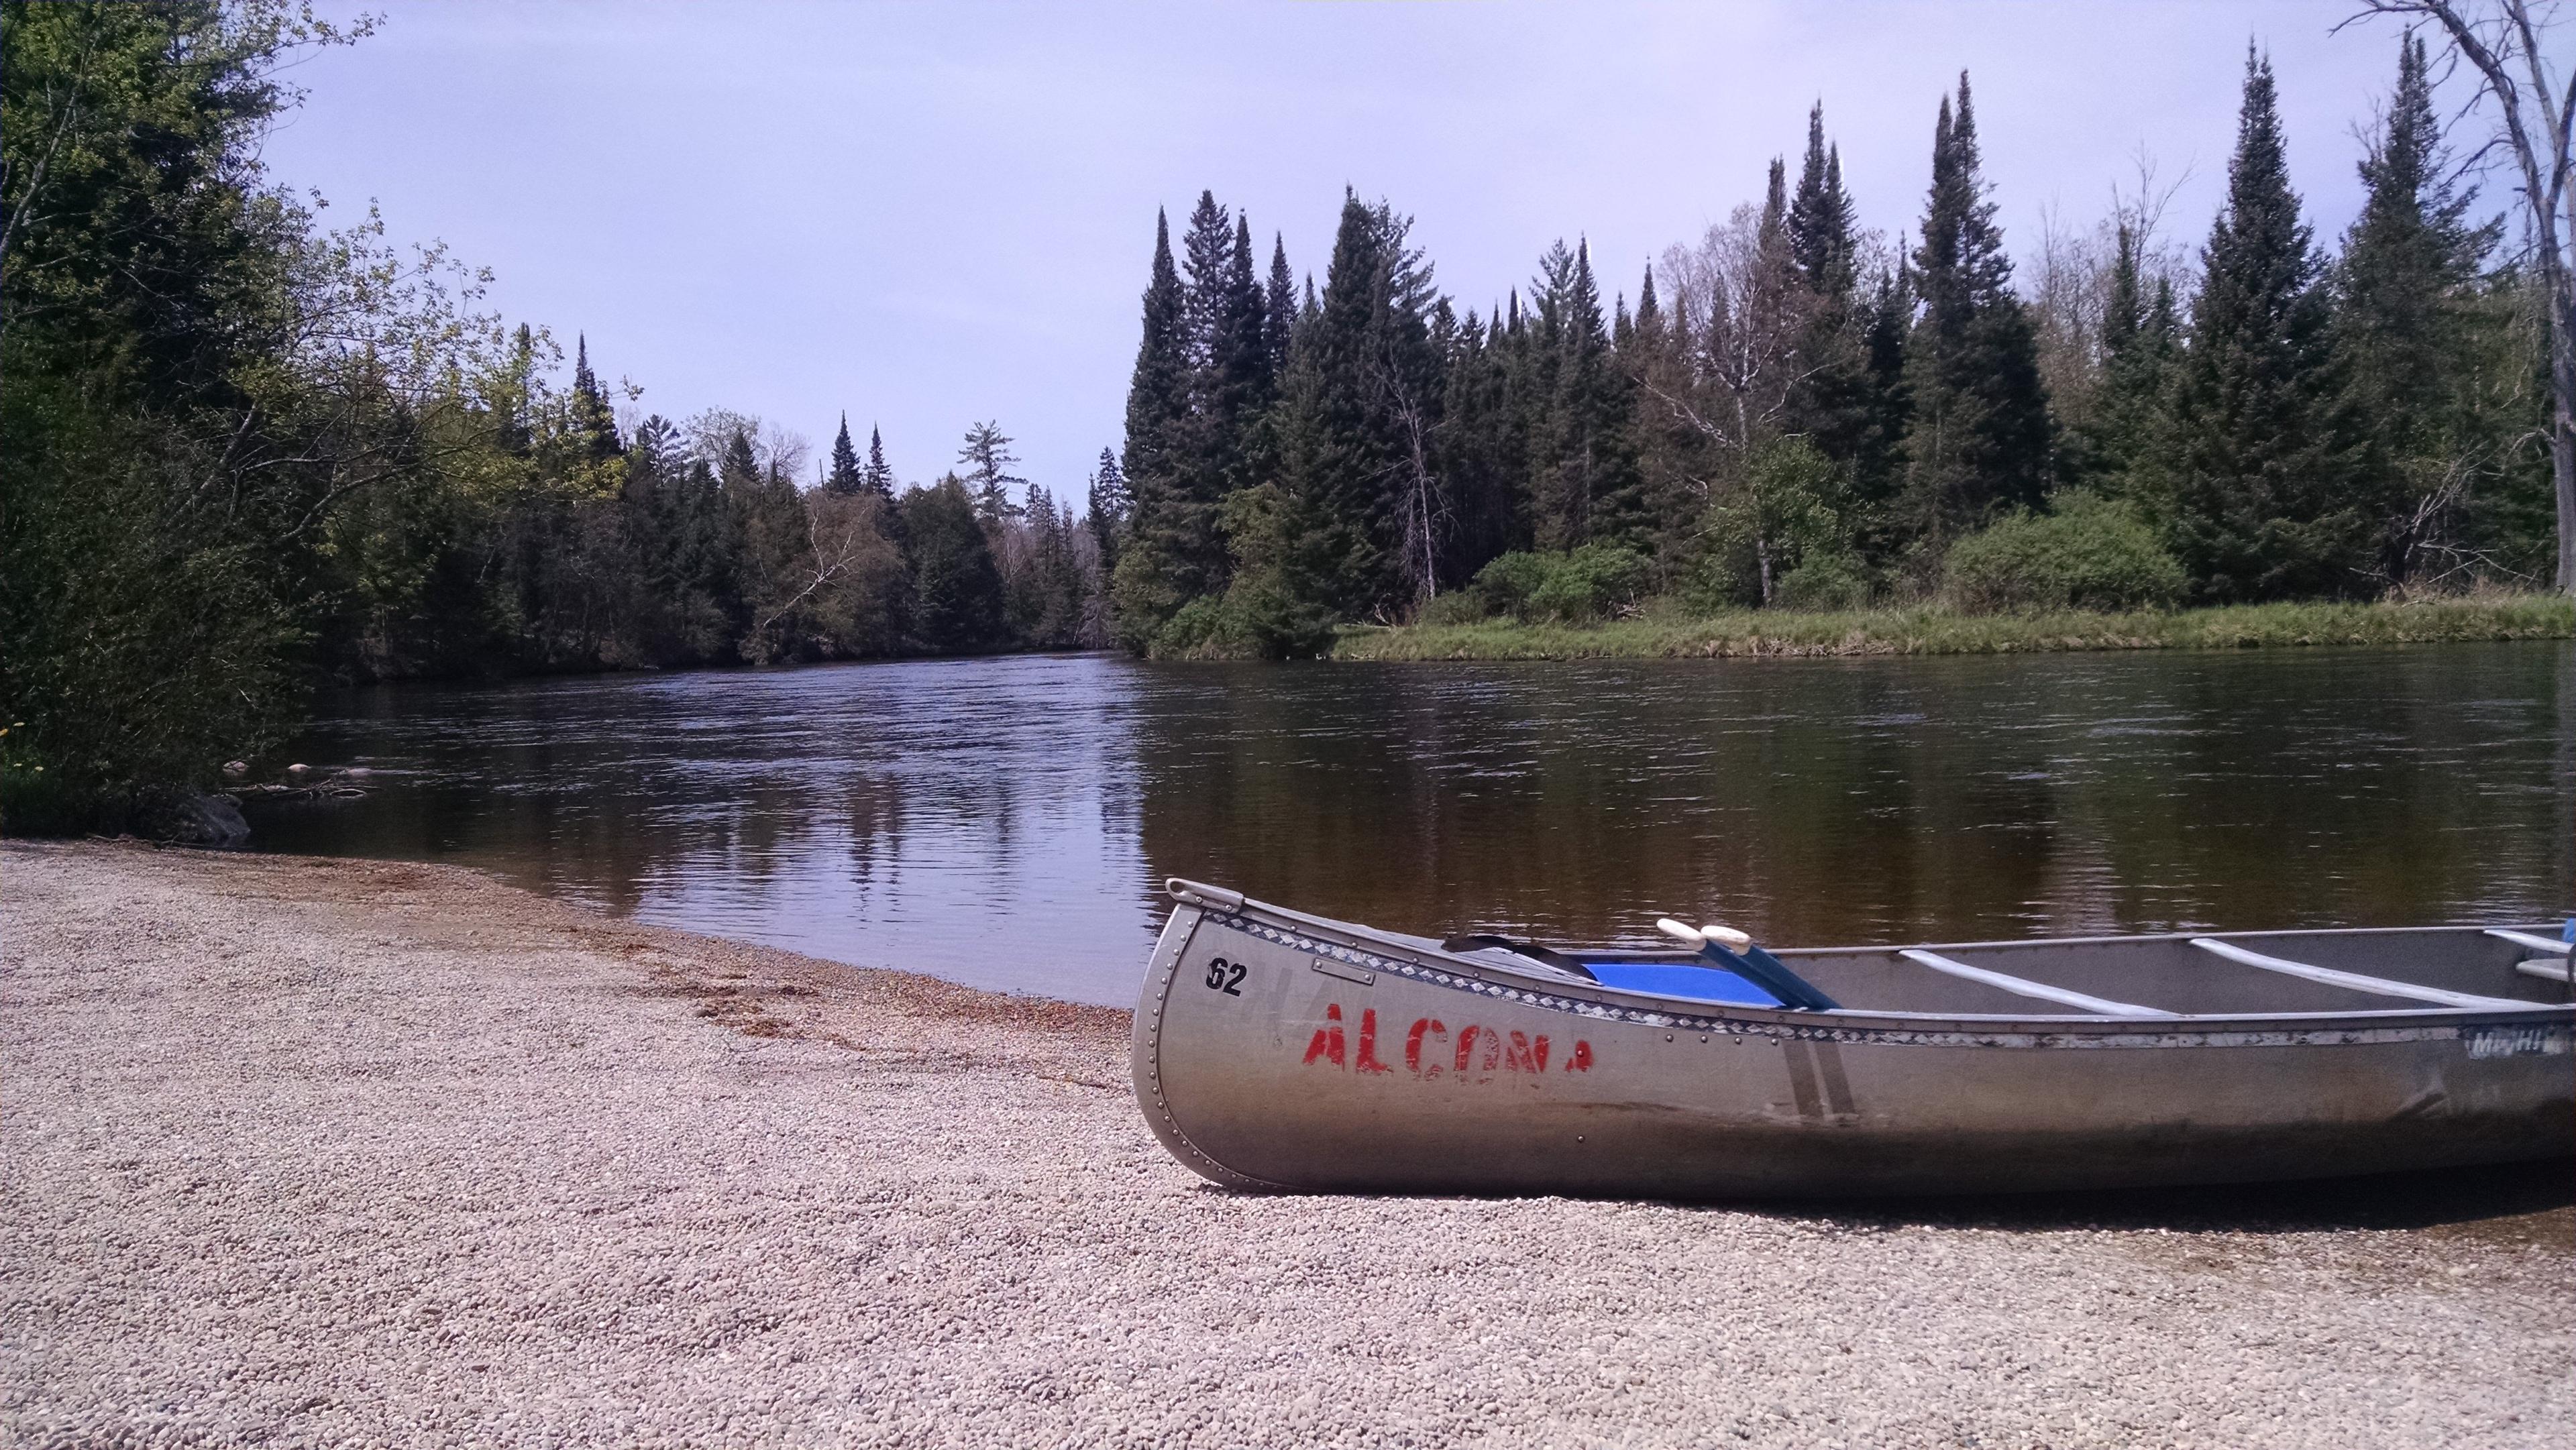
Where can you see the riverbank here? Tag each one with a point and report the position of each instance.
(1784, 633)
(301, 1151)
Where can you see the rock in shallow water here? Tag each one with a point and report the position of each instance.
(212, 821)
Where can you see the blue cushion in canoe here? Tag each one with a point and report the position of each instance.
(1706, 984)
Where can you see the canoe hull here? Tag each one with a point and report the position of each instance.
(1267, 1056)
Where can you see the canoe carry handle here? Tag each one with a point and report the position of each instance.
(1199, 893)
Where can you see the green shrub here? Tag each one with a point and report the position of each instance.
(1505, 585)
(1187, 633)
(2092, 553)
(1579, 587)
(1825, 581)
(1589, 584)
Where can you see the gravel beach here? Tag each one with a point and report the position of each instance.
(305, 1152)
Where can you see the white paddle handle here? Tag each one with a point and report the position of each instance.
(1725, 936)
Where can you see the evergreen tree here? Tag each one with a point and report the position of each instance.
(957, 601)
(2260, 476)
(1823, 224)
(1586, 485)
(1173, 550)
(1833, 403)
(878, 478)
(1672, 452)
(2139, 339)
(594, 422)
(1279, 303)
(1876, 467)
(1048, 593)
(1979, 438)
(988, 459)
(845, 479)
(1359, 419)
(1481, 455)
(2410, 328)
(1230, 379)
(1109, 508)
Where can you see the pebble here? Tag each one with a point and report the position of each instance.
(300, 1152)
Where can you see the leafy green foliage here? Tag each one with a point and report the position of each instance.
(2090, 553)
(1577, 586)
(238, 453)
(1786, 513)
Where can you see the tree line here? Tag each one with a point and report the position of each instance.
(242, 453)
(1799, 410)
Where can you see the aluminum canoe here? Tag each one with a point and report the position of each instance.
(1279, 1051)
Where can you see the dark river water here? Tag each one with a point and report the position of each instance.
(1006, 822)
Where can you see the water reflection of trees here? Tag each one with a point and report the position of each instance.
(1814, 802)
(1906, 799)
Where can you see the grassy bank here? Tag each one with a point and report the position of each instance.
(1932, 631)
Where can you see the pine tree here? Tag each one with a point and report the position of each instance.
(1671, 450)
(1823, 224)
(2259, 493)
(2410, 324)
(1109, 506)
(594, 422)
(957, 601)
(1979, 438)
(1167, 558)
(988, 459)
(1585, 483)
(878, 478)
(1244, 340)
(1833, 402)
(1481, 458)
(1230, 379)
(1359, 416)
(845, 478)
(1279, 303)
(1876, 466)
(2138, 344)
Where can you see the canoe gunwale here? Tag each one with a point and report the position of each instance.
(1368, 949)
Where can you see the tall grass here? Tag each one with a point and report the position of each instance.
(1934, 631)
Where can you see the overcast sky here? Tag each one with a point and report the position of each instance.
(933, 214)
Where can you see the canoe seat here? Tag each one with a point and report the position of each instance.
(1674, 979)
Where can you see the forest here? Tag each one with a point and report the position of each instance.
(248, 454)
(1800, 411)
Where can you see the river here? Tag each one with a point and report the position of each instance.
(1006, 822)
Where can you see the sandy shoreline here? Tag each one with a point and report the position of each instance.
(306, 1152)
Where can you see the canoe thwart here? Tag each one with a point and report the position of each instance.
(2526, 939)
(2024, 987)
(2353, 981)
(2547, 970)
